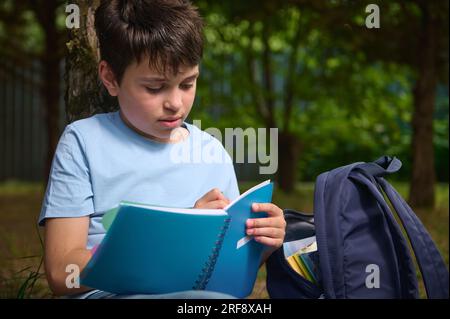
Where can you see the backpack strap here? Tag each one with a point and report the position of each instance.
(381, 167)
(431, 264)
(405, 272)
(433, 269)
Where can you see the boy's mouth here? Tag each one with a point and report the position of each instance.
(170, 122)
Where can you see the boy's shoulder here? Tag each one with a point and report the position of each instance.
(91, 127)
(91, 123)
(87, 130)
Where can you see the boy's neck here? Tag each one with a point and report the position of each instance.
(151, 137)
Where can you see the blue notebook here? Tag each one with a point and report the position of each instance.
(150, 249)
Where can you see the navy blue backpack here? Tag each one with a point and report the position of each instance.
(355, 228)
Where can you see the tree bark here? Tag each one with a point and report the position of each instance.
(423, 178)
(50, 58)
(288, 159)
(85, 94)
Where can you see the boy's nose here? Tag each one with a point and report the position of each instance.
(174, 101)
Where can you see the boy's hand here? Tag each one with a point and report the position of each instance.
(214, 199)
(269, 231)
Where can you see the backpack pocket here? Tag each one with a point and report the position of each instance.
(282, 280)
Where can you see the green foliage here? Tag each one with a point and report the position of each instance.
(345, 106)
(370, 122)
(351, 97)
(19, 29)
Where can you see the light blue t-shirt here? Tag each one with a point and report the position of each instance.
(100, 161)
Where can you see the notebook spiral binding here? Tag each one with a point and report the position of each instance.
(203, 278)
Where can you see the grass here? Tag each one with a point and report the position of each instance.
(21, 250)
(21, 269)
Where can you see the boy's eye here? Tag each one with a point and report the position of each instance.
(186, 86)
(154, 90)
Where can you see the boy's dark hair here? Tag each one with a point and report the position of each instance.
(167, 32)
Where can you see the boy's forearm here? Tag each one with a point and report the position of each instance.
(62, 279)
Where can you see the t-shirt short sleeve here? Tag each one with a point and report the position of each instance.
(69, 189)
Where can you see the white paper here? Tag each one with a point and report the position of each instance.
(291, 247)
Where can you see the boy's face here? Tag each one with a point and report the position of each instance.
(151, 102)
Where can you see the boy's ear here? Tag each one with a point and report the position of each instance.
(108, 78)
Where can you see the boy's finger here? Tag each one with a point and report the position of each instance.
(266, 232)
(269, 208)
(213, 194)
(216, 204)
(275, 222)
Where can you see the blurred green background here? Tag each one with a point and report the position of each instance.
(338, 92)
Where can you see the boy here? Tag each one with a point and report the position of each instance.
(150, 54)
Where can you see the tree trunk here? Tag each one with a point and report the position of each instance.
(288, 158)
(85, 94)
(423, 171)
(50, 89)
